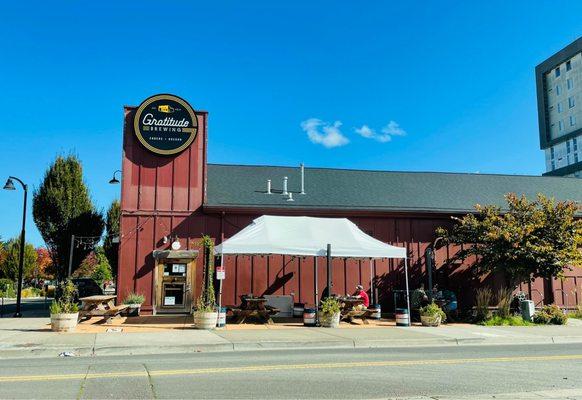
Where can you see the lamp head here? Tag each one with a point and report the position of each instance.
(9, 185)
(114, 180)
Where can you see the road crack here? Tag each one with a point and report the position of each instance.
(151, 382)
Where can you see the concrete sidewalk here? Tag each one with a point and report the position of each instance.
(30, 337)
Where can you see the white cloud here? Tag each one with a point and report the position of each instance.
(320, 132)
(366, 131)
(391, 129)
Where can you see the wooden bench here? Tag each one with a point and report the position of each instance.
(263, 316)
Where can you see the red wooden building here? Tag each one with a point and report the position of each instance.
(180, 197)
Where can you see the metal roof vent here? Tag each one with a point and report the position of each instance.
(269, 186)
(285, 192)
(290, 198)
(302, 178)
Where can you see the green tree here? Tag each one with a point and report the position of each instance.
(95, 266)
(9, 266)
(62, 207)
(530, 239)
(112, 232)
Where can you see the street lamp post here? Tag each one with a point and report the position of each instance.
(114, 180)
(10, 186)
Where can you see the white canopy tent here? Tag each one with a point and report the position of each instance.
(310, 236)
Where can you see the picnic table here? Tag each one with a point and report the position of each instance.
(100, 306)
(349, 311)
(253, 307)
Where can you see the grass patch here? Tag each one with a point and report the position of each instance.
(507, 321)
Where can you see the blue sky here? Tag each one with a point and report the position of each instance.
(432, 86)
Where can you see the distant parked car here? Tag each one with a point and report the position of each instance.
(87, 287)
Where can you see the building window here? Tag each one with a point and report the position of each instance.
(568, 65)
(559, 107)
(558, 90)
(553, 165)
(557, 72)
(560, 125)
(572, 123)
(571, 102)
(576, 157)
(568, 146)
(552, 153)
(575, 142)
(569, 83)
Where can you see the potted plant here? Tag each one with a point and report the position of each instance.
(432, 315)
(134, 302)
(64, 310)
(206, 313)
(330, 313)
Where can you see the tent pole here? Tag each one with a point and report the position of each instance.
(407, 294)
(329, 283)
(372, 283)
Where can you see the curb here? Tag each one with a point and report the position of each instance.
(54, 351)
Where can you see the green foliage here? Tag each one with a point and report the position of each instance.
(62, 207)
(576, 314)
(433, 310)
(95, 266)
(330, 306)
(31, 292)
(111, 232)
(65, 304)
(506, 321)
(550, 315)
(9, 266)
(531, 239)
(207, 300)
(134, 298)
(7, 288)
(482, 303)
(504, 297)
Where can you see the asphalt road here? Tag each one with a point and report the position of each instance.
(463, 371)
(30, 308)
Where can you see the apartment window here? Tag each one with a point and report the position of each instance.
(571, 102)
(568, 146)
(552, 153)
(558, 90)
(557, 72)
(553, 165)
(568, 65)
(560, 125)
(572, 123)
(569, 83)
(575, 143)
(576, 157)
(559, 107)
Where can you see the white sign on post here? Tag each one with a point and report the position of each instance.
(220, 272)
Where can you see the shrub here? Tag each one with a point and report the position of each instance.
(550, 315)
(504, 297)
(7, 288)
(508, 321)
(576, 314)
(330, 306)
(31, 292)
(134, 298)
(66, 303)
(433, 310)
(482, 302)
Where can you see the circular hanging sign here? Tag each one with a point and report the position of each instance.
(165, 124)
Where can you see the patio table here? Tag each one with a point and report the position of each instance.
(254, 307)
(100, 306)
(348, 309)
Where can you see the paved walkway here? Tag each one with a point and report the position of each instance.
(28, 337)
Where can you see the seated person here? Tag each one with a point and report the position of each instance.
(361, 294)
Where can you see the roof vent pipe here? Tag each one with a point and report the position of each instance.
(285, 192)
(302, 178)
(268, 186)
(290, 198)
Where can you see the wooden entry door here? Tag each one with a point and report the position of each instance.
(175, 281)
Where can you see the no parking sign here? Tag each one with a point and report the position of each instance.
(220, 272)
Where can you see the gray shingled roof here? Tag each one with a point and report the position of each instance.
(341, 189)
